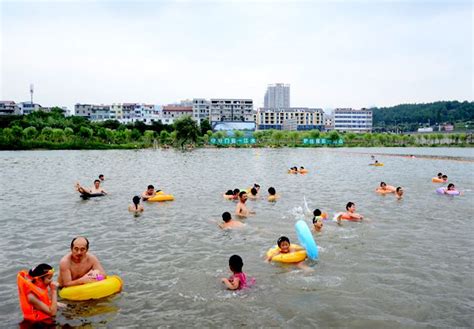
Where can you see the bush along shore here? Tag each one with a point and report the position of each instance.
(53, 131)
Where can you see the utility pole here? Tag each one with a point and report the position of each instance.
(31, 94)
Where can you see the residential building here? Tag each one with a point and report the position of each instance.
(277, 96)
(128, 112)
(28, 107)
(99, 112)
(348, 119)
(9, 108)
(328, 121)
(231, 109)
(83, 110)
(201, 108)
(293, 118)
(172, 112)
(116, 111)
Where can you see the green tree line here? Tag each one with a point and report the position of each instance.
(409, 117)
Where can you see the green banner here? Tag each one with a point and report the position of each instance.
(321, 141)
(233, 141)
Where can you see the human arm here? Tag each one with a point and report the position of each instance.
(96, 265)
(39, 305)
(232, 285)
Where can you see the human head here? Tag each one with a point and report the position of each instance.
(79, 248)
(256, 186)
(451, 186)
(101, 177)
(253, 191)
(271, 191)
(43, 272)
(243, 196)
(399, 190)
(301, 167)
(445, 177)
(440, 175)
(236, 191)
(226, 217)
(150, 189)
(236, 263)
(97, 183)
(318, 224)
(349, 205)
(376, 161)
(316, 212)
(382, 184)
(136, 200)
(284, 244)
(229, 192)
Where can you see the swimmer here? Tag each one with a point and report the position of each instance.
(241, 209)
(136, 206)
(236, 194)
(101, 177)
(229, 195)
(238, 280)
(285, 247)
(399, 193)
(257, 187)
(253, 194)
(444, 178)
(96, 189)
(302, 170)
(79, 266)
(451, 188)
(149, 192)
(384, 188)
(37, 292)
(440, 175)
(317, 220)
(229, 223)
(293, 170)
(350, 214)
(272, 197)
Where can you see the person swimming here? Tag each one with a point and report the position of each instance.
(272, 194)
(229, 223)
(238, 280)
(136, 206)
(317, 220)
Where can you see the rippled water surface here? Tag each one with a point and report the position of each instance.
(410, 265)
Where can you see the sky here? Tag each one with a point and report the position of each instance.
(333, 54)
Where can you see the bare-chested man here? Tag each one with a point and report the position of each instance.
(96, 189)
(229, 223)
(241, 209)
(79, 266)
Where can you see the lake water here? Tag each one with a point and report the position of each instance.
(409, 266)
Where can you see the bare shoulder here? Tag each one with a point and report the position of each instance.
(65, 260)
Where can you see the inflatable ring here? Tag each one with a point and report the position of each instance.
(380, 164)
(90, 195)
(94, 290)
(437, 180)
(160, 197)
(444, 190)
(303, 171)
(306, 239)
(291, 257)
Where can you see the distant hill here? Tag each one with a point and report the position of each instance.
(410, 116)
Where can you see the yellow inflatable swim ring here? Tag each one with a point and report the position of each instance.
(94, 290)
(291, 257)
(161, 196)
(378, 164)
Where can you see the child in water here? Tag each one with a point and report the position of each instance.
(229, 223)
(272, 196)
(136, 206)
(285, 247)
(317, 220)
(238, 280)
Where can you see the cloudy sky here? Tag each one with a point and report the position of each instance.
(333, 54)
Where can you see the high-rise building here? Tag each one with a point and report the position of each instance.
(277, 96)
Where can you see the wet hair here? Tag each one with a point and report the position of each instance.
(450, 185)
(271, 191)
(445, 176)
(282, 239)
(349, 204)
(136, 201)
(77, 237)
(96, 181)
(256, 186)
(150, 186)
(101, 175)
(317, 212)
(236, 191)
(383, 184)
(253, 191)
(39, 270)
(241, 193)
(226, 216)
(301, 167)
(399, 188)
(236, 263)
(376, 161)
(229, 192)
(440, 174)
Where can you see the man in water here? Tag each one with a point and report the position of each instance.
(399, 193)
(241, 209)
(350, 214)
(149, 193)
(384, 188)
(229, 223)
(79, 266)
(101, 177)
(96, 189)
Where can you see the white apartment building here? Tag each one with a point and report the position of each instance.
(293, 118)
(348, 119)
(9, 108)
(83, 110)
(99, 112)
(201, 108)
(277, 96)
(231, 109)
(172, 112)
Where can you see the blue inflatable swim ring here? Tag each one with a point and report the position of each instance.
(306, 239)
